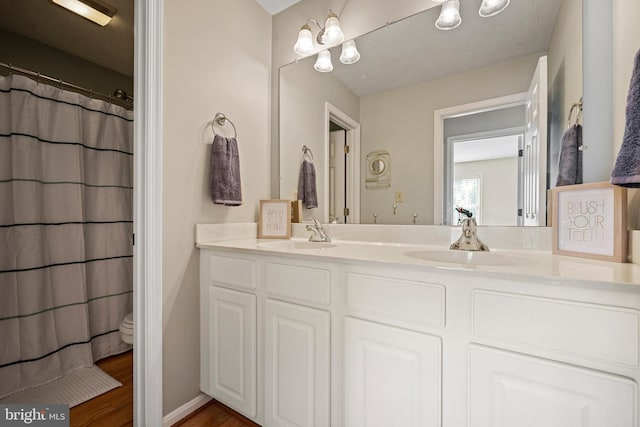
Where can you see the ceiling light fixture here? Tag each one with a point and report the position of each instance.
(93, 10)
(492, 7)
(449, 15)
(329, 35)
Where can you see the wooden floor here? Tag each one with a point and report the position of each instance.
(113, 408)
(215, 414)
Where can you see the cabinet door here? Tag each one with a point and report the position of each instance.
(512, 390)
(392, 376)
(232, 349)
(296, 365)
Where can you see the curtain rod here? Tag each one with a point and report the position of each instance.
(118, 96)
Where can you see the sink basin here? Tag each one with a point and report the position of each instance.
(294, 245)
(471, 258)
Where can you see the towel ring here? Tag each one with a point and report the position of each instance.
(306, 150)
(221, 120)
(578, 108)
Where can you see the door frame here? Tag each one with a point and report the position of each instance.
(334, 114)
(448, 172)
(439, 117)
(147, 214)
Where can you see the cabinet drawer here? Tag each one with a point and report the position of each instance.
(305, 284)
(405, 303)
(592, 331)
(232, 271)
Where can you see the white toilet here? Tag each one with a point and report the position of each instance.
(126, 329)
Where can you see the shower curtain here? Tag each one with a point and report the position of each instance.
(66, 273)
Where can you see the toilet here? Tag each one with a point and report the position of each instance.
(126, 329)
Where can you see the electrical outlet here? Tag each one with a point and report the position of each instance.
(399, 197)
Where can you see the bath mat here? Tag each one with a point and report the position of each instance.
(74, 388)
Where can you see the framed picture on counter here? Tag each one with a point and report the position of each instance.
(589, 221)
(275, 219)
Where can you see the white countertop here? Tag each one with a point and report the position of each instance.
(531, 264)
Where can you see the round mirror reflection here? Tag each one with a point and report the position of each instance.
(378, 166)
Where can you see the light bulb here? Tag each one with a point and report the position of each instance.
(323, 63)
(350, 54)
(304, 44)
(449, 15)
(492, 7)
(332, 32)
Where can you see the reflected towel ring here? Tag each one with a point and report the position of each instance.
(221, 120)
(578, 107)
(307, 151)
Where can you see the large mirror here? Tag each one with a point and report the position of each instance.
(450, 108)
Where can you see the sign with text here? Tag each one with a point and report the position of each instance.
(275, 219)
(589, 221)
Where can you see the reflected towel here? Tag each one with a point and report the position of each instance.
(570, 160)
(626, 172)
(307, 185)
(225, 172)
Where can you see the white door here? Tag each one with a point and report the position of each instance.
(391, 375)
(232, 349)
(511, 390)
(535, 149)
(337, 176)
(296, 366)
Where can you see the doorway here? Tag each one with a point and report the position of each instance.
(342, 173)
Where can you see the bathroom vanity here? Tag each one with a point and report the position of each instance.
(373, 334)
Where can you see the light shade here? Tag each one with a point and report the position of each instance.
(350, 54)
(304, 44)
(93, 10)
(492, 7)
(323, 63)
(449, 15)
(332, 32)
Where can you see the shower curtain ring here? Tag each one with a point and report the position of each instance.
(10, 69)
(38, 78)
(61, 84)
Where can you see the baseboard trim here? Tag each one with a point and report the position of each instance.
(191, 406)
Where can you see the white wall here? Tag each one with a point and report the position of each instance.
(304, 92)
(217, 58)
(410, 140)
(499, 189)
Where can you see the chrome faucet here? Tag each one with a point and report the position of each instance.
(469, 240)
(319, 235)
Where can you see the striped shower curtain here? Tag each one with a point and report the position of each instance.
(66, 228)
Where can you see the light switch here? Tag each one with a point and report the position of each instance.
(399, 197)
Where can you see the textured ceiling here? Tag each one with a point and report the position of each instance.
(276, 6)
(413, 50)
(110, 46)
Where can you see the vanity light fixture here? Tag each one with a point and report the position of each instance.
(492, 7)
(94, 10)
(323, 63)
(449, 15)
(350, 54)
(329, 35)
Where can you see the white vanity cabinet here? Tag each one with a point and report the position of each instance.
(299, 341)
(297, 365)
(392, 376)
(228, 329)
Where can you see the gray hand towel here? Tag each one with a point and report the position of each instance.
(626, 172)
(225, 172)
(307, 185)
(570, 160)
